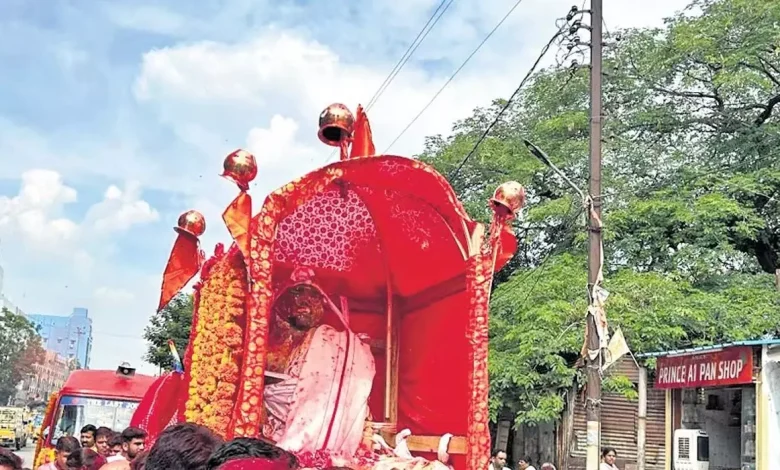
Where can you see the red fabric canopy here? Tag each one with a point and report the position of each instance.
(361, 223)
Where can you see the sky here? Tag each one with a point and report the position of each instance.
(115, 117)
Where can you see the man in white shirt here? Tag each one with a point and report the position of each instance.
(498, 460)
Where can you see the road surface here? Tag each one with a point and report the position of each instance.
(27, 455)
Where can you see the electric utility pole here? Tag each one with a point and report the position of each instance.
(593, 361)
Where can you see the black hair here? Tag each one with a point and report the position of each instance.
(495, 452)
(185, 446)
(103, 431)
(247, 447)
(10, 460)
(607, 450)
(114, 439)
(89, 428)
(133, 433)
(527, 459)
(67, 444)
(82, 458)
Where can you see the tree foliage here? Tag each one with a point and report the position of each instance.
(691, 197)
(20, 350)
(173, 322)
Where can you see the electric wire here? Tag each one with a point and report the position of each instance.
(508, 103)
(432, 21)
(455, 74)
(444, 5)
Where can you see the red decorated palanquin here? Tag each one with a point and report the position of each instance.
(351, 310)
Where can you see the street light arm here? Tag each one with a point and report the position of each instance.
(544, 158)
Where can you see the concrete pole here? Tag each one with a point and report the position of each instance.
(593, 407)
(641, 431)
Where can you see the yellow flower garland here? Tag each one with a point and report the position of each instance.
(218, 343)
(43, 456)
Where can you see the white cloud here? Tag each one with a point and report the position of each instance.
(35, 211)
(278, 143)
(121, 209)
(113, 294)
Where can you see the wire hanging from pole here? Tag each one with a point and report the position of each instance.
(506, 105)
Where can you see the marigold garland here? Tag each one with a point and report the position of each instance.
(43, 456)
(218, 341)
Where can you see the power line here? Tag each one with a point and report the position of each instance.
(457, 71)
(411, 50)
(418, 40)
(508, 103)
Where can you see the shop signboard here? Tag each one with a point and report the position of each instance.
(730, 366)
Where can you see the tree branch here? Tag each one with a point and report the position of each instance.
(761, 70)
(767, 112)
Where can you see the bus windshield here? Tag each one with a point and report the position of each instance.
(76, 412)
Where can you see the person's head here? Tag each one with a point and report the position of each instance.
(608, 455)
(185, 446)
(85, 459)
(245, 447)
(102, 436)
(114, 444)
(301, 308)
(88, 435)
(547, 466)
(133, 442)
(498, 459)
(524, 463)
(9, 460)
(66, 445)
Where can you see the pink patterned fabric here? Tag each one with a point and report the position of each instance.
(324, 404)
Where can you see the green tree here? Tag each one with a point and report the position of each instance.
(692, 191)
(20, 350)
(174, 322)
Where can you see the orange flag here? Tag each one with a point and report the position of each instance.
(237, 217)
(362, 140)
(182, 266)
(507, 246)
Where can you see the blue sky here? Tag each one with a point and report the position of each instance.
(115, 117)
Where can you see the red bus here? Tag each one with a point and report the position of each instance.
(99, 397)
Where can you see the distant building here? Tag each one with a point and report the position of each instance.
(70, 336)
(48, 378)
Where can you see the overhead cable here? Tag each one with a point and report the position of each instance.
(418, 40)
(508, 103)
(457, 71)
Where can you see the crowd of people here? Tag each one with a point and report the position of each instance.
(191, 446)
(498, 461)
(185, 446)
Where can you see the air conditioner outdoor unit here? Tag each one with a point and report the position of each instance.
(691, 449)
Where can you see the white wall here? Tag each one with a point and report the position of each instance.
(770, 377)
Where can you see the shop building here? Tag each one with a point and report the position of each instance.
(722, 406)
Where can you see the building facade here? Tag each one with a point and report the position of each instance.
(69, 336)
(722, 405)
(49, 376)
